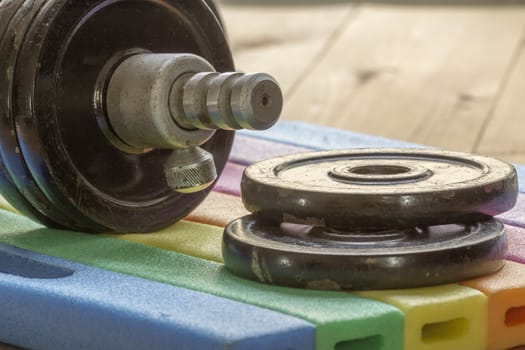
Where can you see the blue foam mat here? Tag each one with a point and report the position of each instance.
(322, 137)
(65, 305)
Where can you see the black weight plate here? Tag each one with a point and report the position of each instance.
(213, 7)
(58, 123)
(61, 211)
(16, 183)
(379, 188)
(322, 258)
(7, 11)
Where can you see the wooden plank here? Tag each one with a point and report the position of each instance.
(504, 135)
(281, 40)
(417, 73)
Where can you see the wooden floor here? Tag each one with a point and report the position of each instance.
(451, 76)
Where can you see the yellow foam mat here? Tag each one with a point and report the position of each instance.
(448, 317)
(190, 238)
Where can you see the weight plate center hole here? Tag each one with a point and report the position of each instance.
(379, 170)
(373, 172)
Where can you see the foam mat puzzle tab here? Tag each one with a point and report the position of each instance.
(49, 303)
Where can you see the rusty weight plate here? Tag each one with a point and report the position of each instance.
(379, 188)
(323, 258)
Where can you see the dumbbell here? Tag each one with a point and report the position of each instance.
(118, 115)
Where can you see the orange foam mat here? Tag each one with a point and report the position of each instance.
(218, 209)
(505, 292)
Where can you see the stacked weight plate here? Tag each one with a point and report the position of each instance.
(371, 219)
(58, 165)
